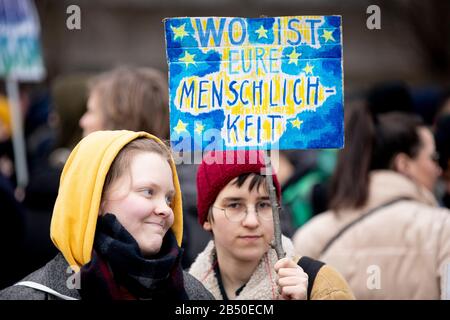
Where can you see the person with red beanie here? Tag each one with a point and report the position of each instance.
(240, 262)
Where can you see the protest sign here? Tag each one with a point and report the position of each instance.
(20, 51)
(255, 82)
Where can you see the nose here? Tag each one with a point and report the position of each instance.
(438, 174)
(163, 209)
(82, 121)
(251, 220)
(438, 171)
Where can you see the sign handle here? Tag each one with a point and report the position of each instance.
(275, 207)
(20, 160)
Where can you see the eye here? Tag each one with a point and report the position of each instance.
(147, 192)
(263, 205)
(233, 205)
(169, 200)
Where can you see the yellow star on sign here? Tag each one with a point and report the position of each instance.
(328, 35)
(308, 68)
(199, 128)
(188, 59)
(262, 33)
(293, 57)
(179, 32)
(296, 123)
(181, 126)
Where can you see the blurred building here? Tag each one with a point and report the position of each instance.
(413, 44)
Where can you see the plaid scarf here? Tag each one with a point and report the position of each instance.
(117, 269)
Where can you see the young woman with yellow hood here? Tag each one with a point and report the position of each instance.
(117, 223)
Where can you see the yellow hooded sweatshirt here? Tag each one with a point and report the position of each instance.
(77, 206)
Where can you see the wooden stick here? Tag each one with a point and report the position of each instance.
(20, 159)
(275, 207)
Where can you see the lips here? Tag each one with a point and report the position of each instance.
(159, 224)
(250, 237)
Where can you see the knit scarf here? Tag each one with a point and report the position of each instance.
(262, 285)
(118, 270)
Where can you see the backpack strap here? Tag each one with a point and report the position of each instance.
(41, 287)
(311, 267)
(359, 219)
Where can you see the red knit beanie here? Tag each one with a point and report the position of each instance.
(218, 168)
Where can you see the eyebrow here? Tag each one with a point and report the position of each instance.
(142, 184)
(240, 199)
(232, 199)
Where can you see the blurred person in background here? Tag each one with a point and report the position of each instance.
(442, 136)
(384, 231)
(128, 98)
(13, 213)
(304, 176)
(28, 221)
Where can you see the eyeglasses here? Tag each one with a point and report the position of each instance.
(237, 212)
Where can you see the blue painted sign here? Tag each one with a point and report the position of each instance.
(20, 50)
(255, 83)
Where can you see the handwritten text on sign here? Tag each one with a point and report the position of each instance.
(259, 81)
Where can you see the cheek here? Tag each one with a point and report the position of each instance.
(128, 211)
(96, 122)
(429, 170)
(223, 234)
(89, 119)
(170, 220)
(268, 230)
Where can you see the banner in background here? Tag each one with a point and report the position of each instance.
(20, 49)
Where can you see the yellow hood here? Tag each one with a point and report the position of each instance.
(77, 206)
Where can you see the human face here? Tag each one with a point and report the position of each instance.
(249, 239)
(141, 199)
(93, 119)
(423, 168)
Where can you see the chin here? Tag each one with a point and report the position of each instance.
(150, 252)
(151, 249)
(251, 254)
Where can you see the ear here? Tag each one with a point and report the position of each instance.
(207, 226)
(401, 163)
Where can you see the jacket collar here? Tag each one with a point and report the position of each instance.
(386, 185)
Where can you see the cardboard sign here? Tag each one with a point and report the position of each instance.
(255, 83)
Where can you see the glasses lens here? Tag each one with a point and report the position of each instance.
(264, 210)
(235, 213)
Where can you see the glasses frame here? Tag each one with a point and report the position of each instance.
(246, 213)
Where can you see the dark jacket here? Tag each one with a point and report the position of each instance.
(57, 276)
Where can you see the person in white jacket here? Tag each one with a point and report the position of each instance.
(384, 231)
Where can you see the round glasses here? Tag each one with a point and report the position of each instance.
(237, 212)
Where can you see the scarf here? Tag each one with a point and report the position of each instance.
(262, 284)
(118, 270)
